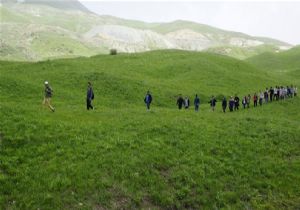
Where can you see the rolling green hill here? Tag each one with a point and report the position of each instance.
(119, 156)
(283, 61)
(242, 53)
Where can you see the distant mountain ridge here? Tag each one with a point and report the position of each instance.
(42, 29)
(59, 4)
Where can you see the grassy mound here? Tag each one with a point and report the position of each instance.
(287, 61)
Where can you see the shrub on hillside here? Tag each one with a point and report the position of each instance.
(113, 52)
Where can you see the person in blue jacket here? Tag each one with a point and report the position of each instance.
(148, 99)
(89, 96)
(196, 103)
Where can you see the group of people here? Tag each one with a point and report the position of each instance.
(48, 92)
(185, 102)
(269, 95)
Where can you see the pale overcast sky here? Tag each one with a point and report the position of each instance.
(279, 19)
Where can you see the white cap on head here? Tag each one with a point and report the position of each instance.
(46, 82)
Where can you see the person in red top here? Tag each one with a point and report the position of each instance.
(255, 99)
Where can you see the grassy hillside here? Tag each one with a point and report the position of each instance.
(120, 156)
(242, 53)
(287, 61)
(85, 34)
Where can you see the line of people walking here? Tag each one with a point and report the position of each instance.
(269, 95)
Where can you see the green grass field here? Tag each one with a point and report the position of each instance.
(286, 61)
(120, 156)
(243, 53)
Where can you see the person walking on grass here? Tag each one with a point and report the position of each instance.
(148, 99)
(292, 91)
(248, 101)
(89, 96)
(224, 104)
(266, 95)
(180, 102)
(231, 104)
(289, 92)
(237, 102)
(213, 102)
(244, 102)
(48, 95)
(197, 103)
(261, 98)
(271, 94)
(284, 92)
(186, 102)
(281, 93)
(255, 100)
(275, 93)
(278, 93)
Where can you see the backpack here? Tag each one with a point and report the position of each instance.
(48, 91)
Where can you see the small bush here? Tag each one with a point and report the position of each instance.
(113, 52)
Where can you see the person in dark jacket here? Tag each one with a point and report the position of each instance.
(224, 104)
(288, 91)
(244, 102)
(237, 102)
(148, 100)
(231, 104)
(48, 95)
(196, 103)
(180, 102)
(212, 103)
(271, 93)
(89, 96)
(275, 93)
